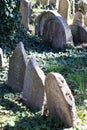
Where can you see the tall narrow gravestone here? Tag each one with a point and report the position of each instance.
(17, 66)
(85, 20)
(33, 92)
(78, 18)
(26, 11)
(63, 9)
(60, 101)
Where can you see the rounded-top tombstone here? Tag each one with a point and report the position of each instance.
(78, 18)
(53, 29)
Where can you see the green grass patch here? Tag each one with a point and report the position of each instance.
(72, 64)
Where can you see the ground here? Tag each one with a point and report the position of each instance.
(72, 64)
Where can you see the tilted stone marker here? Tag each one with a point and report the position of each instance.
(78, 18)
(1, 59)
(17, 66)
(79, 33)
(26, 11)
(60, 101)
(33, 92)
(53, 29)
(63, 9)
(85, 20)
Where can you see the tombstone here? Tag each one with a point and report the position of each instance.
(63, 9)
(1, 59)
(26, 11)
(17, 66)
(60, 100)
(53, 29)
(79, 34)
(33, 92)
(85, 20)
(78, 18)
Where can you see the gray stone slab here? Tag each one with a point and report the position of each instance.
(26, 11)
(63, 9)
(54, 30)
(33, 92)
(85, 20)
(79, 34)
(17, 66)
(78, 18)
(60, 100)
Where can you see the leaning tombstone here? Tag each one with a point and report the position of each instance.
(63, 9)
(1, 59)
(33, 91)
(17, 66)
(78, 18)
(26, 11)
(79, 33)
(54, 30)
(60, 100)
(85, 20)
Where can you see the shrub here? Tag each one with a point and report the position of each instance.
(9, 20)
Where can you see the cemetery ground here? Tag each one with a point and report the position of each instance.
(71, 63)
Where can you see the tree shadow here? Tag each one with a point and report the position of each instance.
(36, 123)
(28, 119)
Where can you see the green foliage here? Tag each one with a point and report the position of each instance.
(72, 64)
(9, 20)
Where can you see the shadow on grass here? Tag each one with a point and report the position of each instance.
(27, 119)
(33, 124)
(37, 123)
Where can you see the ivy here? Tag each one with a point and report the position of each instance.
(9, 20)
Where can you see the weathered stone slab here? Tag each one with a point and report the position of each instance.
(78, 18)
(26, 11)
(79, 34)
(33, 92)
(1, 59)
(60, 100)
(17, 66)
(63, 9)
(53, 29)
(85, 20)
(40, 21)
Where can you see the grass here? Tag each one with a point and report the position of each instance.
(72, 64)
